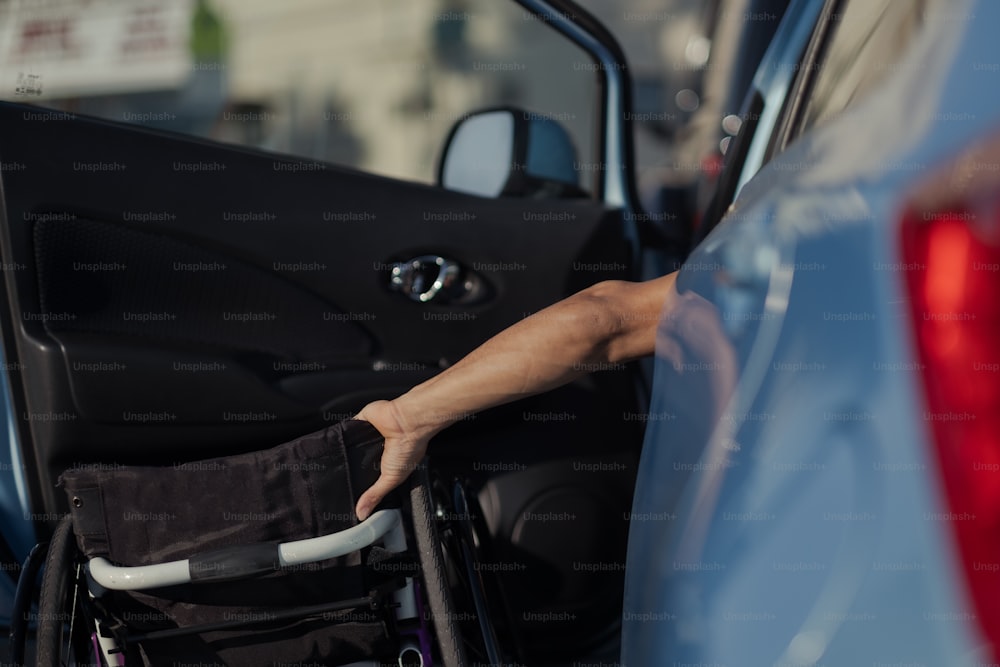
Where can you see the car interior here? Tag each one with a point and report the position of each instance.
(180, 299)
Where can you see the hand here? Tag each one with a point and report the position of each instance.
(403, 452)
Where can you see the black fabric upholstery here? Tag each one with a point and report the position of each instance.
(304, 488)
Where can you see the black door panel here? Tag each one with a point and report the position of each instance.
(171, 299)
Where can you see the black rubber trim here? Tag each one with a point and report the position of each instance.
(789, 124)
(52, 607)
(442, 608)
(732, 168)
(233, 563)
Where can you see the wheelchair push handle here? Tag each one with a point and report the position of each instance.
(241, 562)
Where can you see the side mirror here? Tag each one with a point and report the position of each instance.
(510, 153)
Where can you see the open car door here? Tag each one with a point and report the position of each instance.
(170, 299)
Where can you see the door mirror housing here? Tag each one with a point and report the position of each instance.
(510, 153)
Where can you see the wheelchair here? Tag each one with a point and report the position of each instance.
(258, 560)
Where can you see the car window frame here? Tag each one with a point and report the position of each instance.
(790, 122)
(764, 109)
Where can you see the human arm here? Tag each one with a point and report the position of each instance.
(610, 322)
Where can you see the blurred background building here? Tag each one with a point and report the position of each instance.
(370, 84)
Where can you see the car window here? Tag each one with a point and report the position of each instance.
(667, 44)
(867, 43)
(371, 85)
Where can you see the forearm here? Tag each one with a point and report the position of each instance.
(606, 324)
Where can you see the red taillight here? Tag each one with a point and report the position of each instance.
(951, 254)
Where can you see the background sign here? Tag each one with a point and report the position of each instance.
(61, 48)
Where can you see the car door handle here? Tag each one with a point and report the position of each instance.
(436, 279)
(423, 278)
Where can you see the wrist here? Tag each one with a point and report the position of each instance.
(419, 421)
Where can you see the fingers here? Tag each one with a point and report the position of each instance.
(362, 416)
(394, 472)
(401, 454)
(373, 496)
(370, 499)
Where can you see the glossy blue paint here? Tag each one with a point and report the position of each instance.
(788, 510)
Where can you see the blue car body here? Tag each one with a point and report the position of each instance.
(789, 509)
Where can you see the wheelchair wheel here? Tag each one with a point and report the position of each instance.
(63, 632)
(436, 581)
